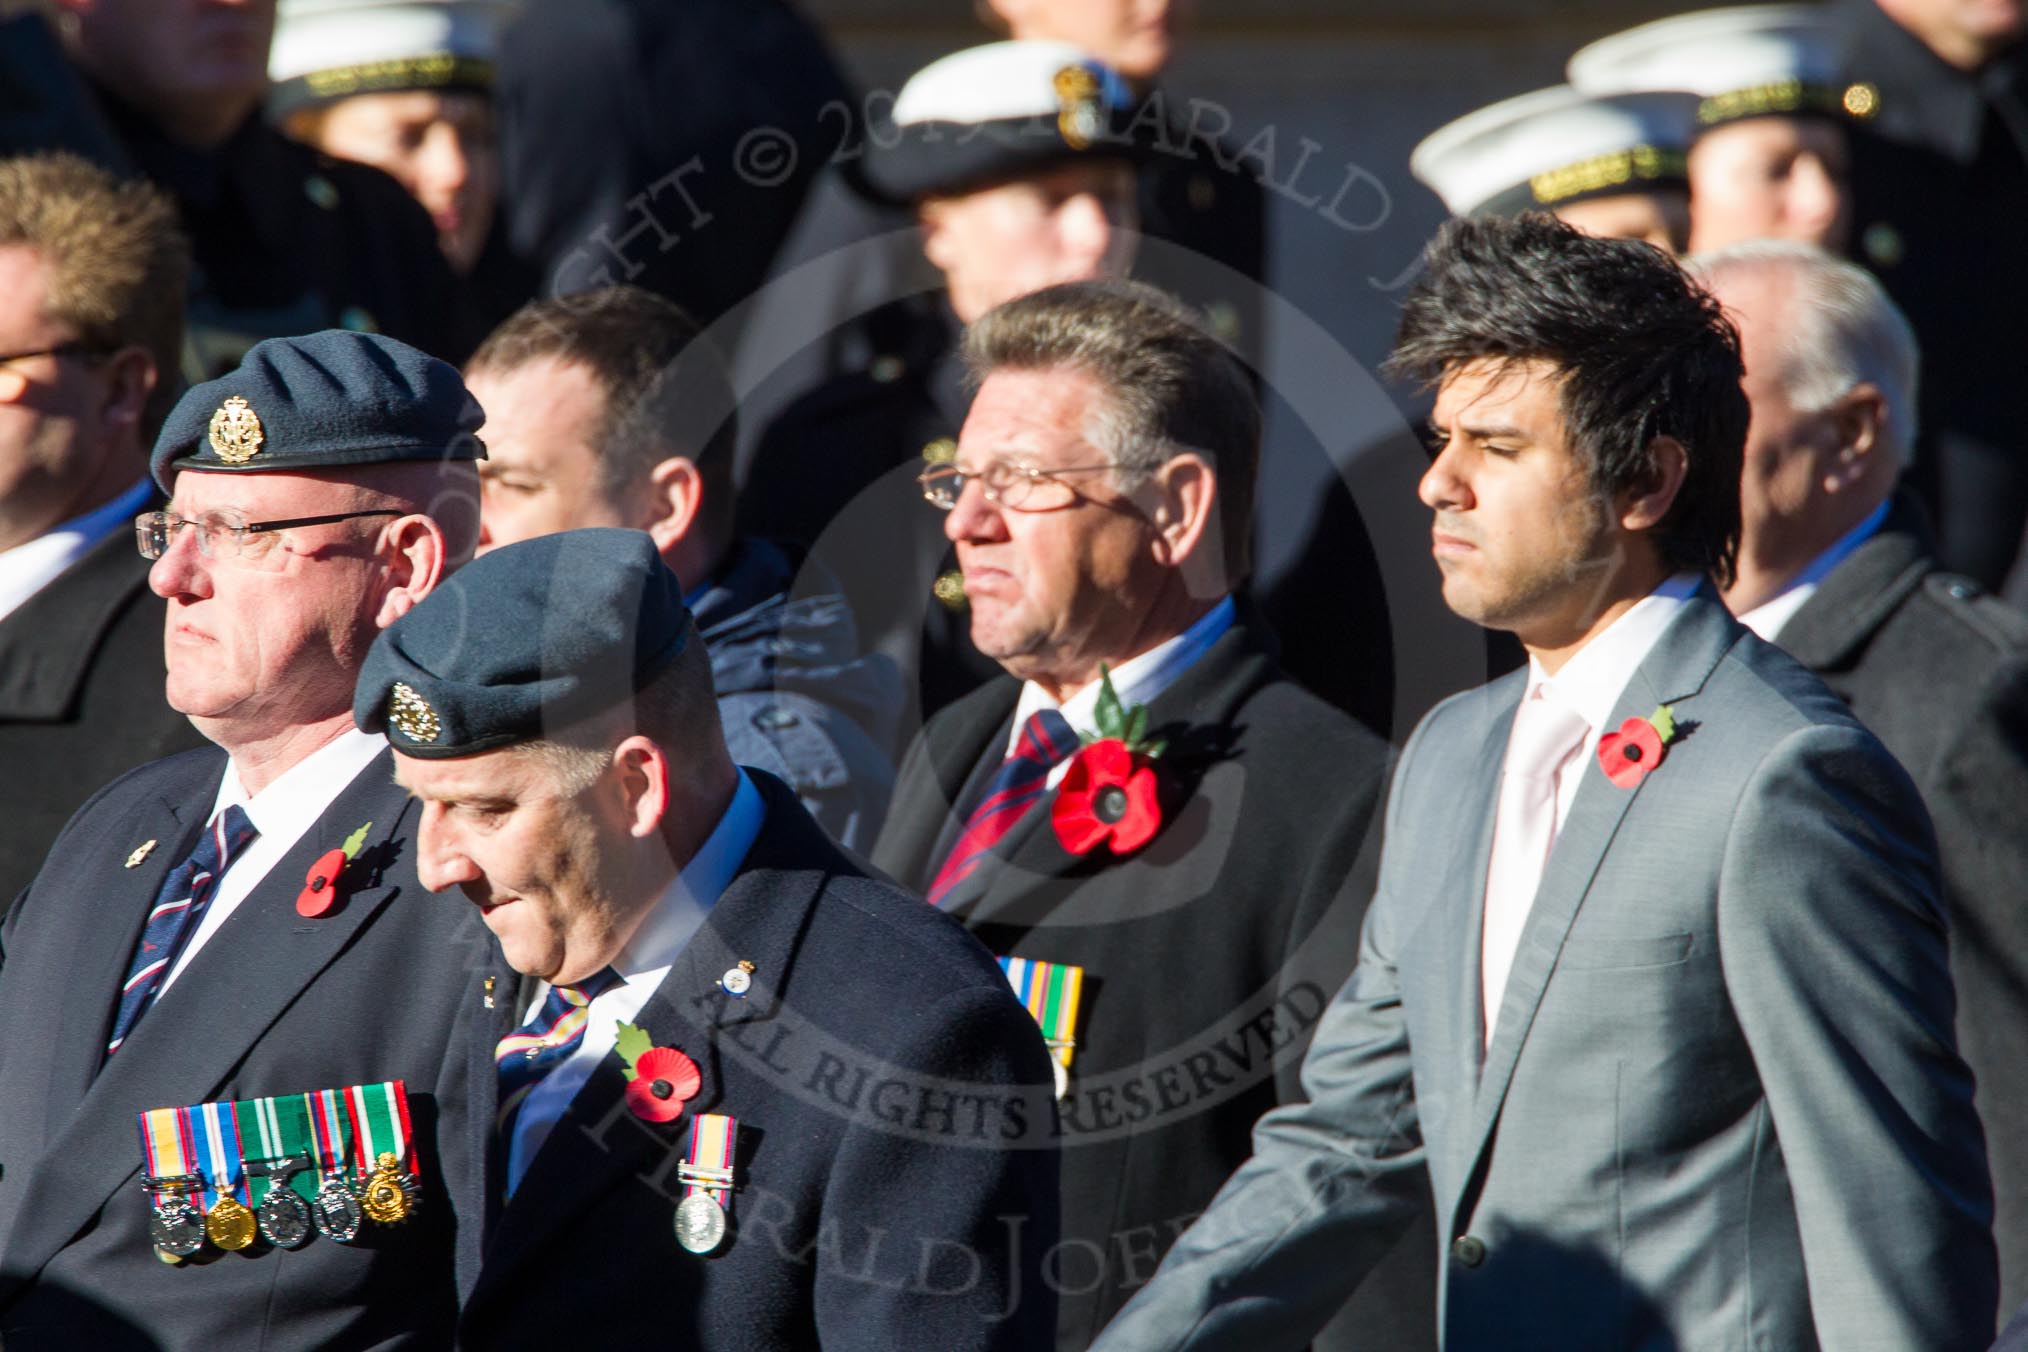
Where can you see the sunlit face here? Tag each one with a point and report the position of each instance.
(1770, 178)
(1072, 223)
(441, 147)
(1660, 218)
(1051, 592)
(156, 51)
(540, 474)
(1134, 37)
(55, 440)
(258, 646)
(550, 871)
(1523, 541)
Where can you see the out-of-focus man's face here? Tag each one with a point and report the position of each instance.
(1134, 37)
(1072, 223)
(1787, 448)
(546, 868)
(1770, 178)
(441, 147)
(1660, 218)
(1524, 542)
(540, 474)
(273, 639)
(1055, 589)
(56, 445)
(152, 51)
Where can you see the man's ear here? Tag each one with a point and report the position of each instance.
(413, 546)
(643, 784)
(1180, 499)
(1646, 505)
(130, 381)
(674, 498)
(1859, 416)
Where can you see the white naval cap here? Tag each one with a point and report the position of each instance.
(995, 111)
(328, 49)
(1556, 146)
(1744, 61)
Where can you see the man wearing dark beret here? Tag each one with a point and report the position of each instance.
(755, 1098)
(230, 948)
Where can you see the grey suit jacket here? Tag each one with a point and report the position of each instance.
(1723, 1107)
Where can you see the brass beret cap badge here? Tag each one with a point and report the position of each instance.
(411, 714)
(1077, 118)
(236, 432)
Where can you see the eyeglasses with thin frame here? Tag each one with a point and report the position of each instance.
(155, 532)
(14, 384)
(1006, 483)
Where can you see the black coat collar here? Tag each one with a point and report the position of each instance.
(1863, 591)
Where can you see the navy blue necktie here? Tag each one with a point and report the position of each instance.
(179, 906)
(526, 1055)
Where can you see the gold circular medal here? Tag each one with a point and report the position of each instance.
(230, 1225)
(385, 1199)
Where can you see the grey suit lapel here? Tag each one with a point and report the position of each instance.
(1675, 669)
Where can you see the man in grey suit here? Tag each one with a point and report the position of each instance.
(1660, 1010)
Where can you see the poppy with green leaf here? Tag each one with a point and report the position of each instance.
(1108, 795)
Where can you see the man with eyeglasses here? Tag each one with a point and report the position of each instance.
(91, 320)
(1180, 899)
(243, 925)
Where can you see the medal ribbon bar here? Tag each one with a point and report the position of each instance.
(214, 1129)
(380, 1123)
(281, 1129)
(1051, 991)
(331, 1129)
(166, 1144)
(709, 1167)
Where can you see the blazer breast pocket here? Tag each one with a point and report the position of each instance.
(1587, 954)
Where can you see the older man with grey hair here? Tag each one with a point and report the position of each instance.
(1840, 569)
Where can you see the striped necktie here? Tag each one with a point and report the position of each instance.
(179, 907)
(545, 1042)
(1046, 740)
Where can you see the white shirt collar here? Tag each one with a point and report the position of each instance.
(32, 565)
(694, 891)
(1138, 680)
(1767, 618)
(1590, 683)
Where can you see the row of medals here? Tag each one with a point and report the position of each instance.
(180, 1226)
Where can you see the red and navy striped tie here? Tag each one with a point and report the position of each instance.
(545, 1042)
(1046, 740)
(179, 906)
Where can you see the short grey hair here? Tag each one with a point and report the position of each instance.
(1169, 386)
(1844, 330)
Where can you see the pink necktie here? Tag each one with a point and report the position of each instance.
(1545, 738)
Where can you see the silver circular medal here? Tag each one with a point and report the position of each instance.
(284, 1217)
(336, 1211)
(700, 1223)
(176, 1228)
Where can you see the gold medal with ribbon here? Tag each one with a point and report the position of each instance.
(388, 1193)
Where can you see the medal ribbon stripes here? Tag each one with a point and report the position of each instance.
(214, 1131)
(380, 1125)
(280, 1127)
(709, 1167)
(1051, 991)
(166, 1143)
(330, 1129)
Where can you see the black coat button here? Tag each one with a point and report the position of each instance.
(1469, 1250)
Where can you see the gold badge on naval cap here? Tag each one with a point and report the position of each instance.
(236, 432)
(1077, 101)
(411, 714)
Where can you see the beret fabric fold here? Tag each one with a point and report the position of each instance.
(320, 401)
(522, 643)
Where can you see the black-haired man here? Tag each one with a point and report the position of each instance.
(1660, 1011)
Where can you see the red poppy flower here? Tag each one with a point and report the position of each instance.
(1106, 797)
(320, 885)
(1626, 756)
(664, 1080)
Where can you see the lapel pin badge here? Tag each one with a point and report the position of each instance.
(737, 981)
(141, 851)
(489, 991)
